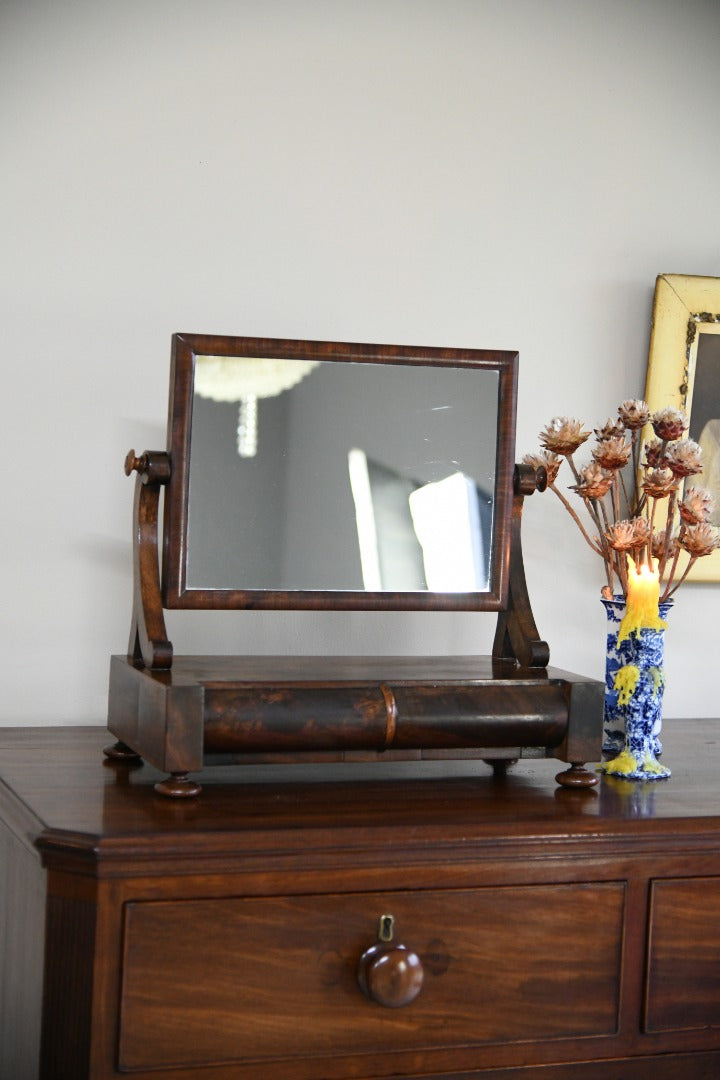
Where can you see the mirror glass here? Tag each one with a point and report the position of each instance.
(325, 475)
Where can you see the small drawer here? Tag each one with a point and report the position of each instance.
(683, 983)
(213, 981)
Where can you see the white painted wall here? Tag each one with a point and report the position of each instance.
(496, 173)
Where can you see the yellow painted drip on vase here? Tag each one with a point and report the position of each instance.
(625, 682)
(642, 610)
(625, 765)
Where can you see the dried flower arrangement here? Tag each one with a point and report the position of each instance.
(622, 495)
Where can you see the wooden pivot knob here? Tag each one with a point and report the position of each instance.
(392, 975)
(153, 466)
(134, 463)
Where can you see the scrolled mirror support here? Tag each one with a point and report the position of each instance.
(148, 636)
(517, 639)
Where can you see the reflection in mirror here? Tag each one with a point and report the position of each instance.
(333, 475)
(705, 414)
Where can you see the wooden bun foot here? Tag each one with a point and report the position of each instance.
(178, 786)
(120, 751)
(577, 776)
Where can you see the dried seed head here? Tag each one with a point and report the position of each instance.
(611, 429)
(642, 530)
(626, 535)
(612, 453)
(655, 453)
(634, 413)
(563, 435)
(684, 458)
(699, 540)
(659, 483)
(697, 506)
(545, 460)
(669, 424)
(594, 482)
(662, 546)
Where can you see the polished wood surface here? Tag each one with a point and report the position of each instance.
(439, 799)
(560, 933)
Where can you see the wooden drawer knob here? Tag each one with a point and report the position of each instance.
(390, 974)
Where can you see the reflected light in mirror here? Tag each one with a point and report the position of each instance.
(429, 534)
(446, 516)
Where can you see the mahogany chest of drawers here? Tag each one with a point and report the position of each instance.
(554, 933)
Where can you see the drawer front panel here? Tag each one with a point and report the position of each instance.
(214, 981)
(683, 990)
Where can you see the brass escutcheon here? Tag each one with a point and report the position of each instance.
(386, 928)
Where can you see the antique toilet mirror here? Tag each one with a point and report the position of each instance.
(324, 476)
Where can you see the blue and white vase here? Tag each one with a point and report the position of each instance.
(634, 684)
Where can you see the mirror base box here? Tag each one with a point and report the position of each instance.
(217, 709)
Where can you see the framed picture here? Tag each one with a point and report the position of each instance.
(684, 373)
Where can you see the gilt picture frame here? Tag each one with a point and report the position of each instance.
(684, 373)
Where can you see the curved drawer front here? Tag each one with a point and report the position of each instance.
(279, 974)
(263, 719)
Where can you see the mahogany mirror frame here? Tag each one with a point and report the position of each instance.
(185, 349)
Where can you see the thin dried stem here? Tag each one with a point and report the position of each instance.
(652, 506)
(589, 503)
(610, 557)
(616, 496)
(603, 511)
(635, 441)
(667, 594)
(598, 550)
(630, 505)
(571, 463)
(668, 531)
(668, 590)
(601, 548)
